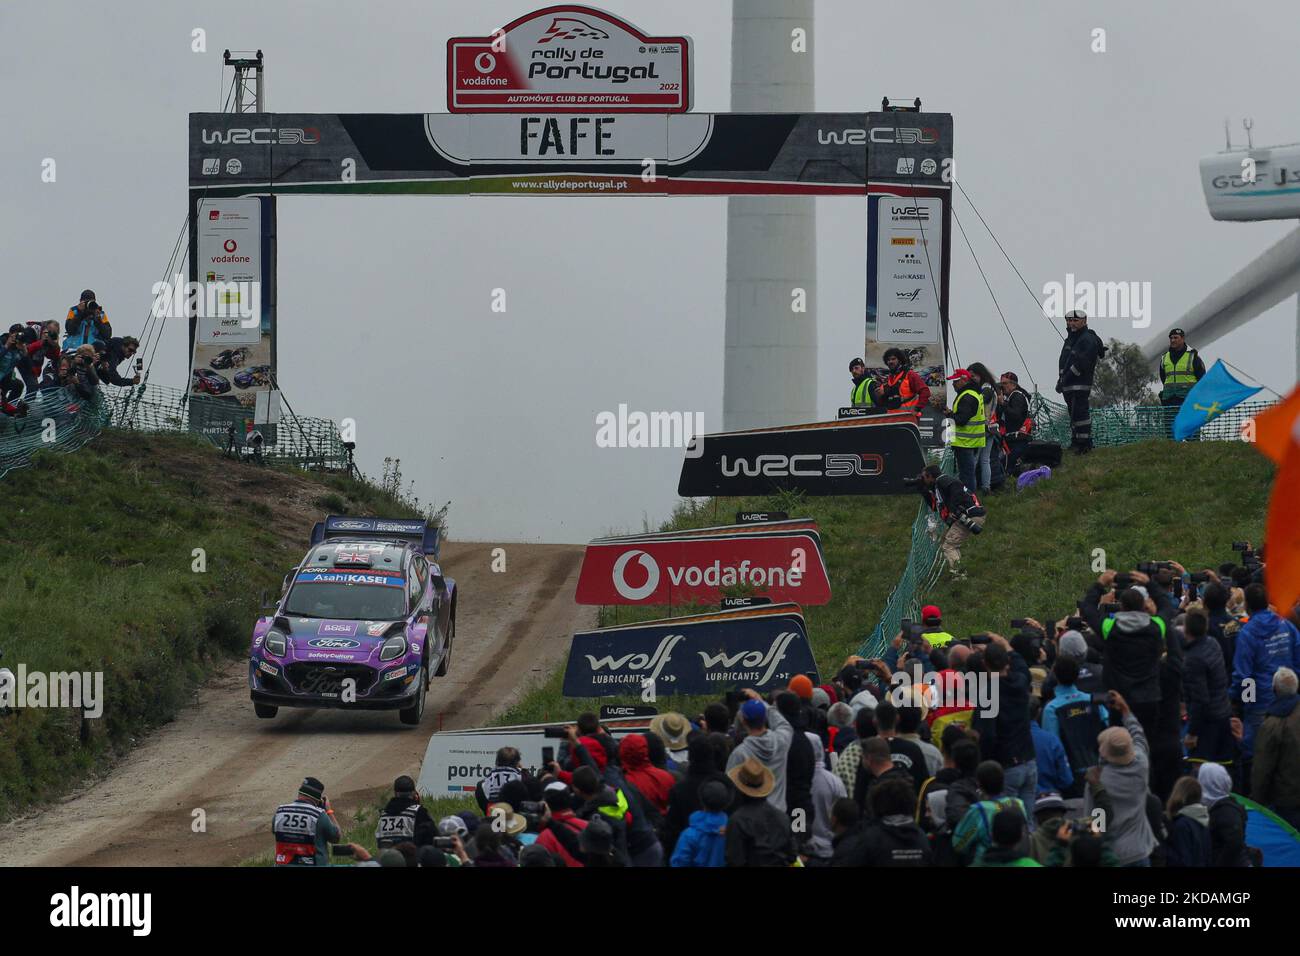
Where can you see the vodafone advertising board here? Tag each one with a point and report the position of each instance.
(570, 59)
(786, 566)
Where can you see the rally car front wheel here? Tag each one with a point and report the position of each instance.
(413, 714)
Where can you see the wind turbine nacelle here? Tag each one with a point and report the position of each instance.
(1274, 193)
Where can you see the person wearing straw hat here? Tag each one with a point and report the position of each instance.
(1124, 775)
(758, 834)
(673, 729)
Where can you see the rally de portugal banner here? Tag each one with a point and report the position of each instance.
(867, 456)
(786, 566)
(569, 58)
(761, 647)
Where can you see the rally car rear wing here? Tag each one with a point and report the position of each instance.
(415, 531)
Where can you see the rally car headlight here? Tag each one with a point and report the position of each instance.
(275, 644)
(393, 648)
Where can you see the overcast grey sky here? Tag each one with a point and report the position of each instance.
(1081, 162)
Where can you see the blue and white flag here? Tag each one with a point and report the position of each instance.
(1216, 392)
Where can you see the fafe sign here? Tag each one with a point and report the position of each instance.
(760, 647)
(570, 59)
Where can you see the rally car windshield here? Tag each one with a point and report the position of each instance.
(346, 601)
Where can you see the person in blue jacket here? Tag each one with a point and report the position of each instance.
(1054, 773)
(1265, 642)
(704, 841)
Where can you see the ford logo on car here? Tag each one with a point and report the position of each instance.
(333, 643)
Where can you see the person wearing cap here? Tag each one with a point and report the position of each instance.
(1049, 817)
(932, 626)
(673, 729)
(305, 828)
(1014, 425)
(1180, 369)
(904, 387)
(704, 842)
(561, 826)
(865, 392)
(970, 425)
(956, 506)
(598, 845)
(1119, 785)
(758, 833)
(1080, 354)
(87, 322)
(404, 818)
(767, 739)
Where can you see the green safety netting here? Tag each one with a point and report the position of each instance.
(1112, 425)
(60, 420)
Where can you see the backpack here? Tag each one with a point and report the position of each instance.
(1032, 477)
(1042, 453)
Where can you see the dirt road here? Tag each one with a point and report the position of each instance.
(512, 628)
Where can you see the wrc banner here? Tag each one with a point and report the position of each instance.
(759, 647)
(856, 456)
(788, 566)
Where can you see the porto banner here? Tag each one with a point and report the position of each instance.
(761, 647)
(787, 566)
(864, 456)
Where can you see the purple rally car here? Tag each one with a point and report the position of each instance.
(364, 622)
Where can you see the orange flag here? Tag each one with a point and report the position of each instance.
(1277, 433)
(1273, 428)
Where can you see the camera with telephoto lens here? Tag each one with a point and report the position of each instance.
(1151, 567)
(555, 733)
(912, 482)
(444, 843)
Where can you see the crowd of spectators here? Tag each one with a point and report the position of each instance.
(33, 360)
(1116, 736)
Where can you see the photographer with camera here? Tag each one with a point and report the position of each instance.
(87, 322)
(956, 506)
(11, 357)
(1013, 421)
(82, 377)
(1119, 786)
(561, 825)
(111, 354)
(404, 818)
(1136, 635)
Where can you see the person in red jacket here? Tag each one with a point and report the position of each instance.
(561, 827)
(654, 784)
(904, 383)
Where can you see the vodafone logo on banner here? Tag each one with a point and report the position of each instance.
(786, 566)
(620, 579)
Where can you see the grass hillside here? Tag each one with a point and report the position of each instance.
(99, 574)
(1149, 501)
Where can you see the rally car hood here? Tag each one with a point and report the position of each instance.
(338, 641)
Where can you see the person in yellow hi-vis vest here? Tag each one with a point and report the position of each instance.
(1180, 369)
(865, 393)
(970, 416)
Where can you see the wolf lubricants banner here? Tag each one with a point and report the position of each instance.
(785, 565)
(761, 647)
